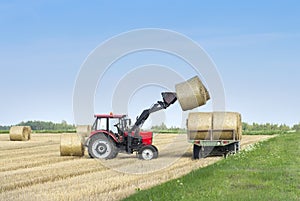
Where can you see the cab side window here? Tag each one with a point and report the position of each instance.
(102, 124)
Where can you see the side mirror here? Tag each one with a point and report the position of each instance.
(129, 122)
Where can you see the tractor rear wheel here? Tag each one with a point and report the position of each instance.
(101, 146)
(148, 152)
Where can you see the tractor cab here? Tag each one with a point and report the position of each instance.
(114, 124)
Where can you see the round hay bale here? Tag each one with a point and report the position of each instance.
(207, 96)
(240, 127)
(227, 121)
(20, 133)
(198, 135)
(28, 133)
(83, 130)
(71, 145)
(191, 93)
(198, 125)
(199, 121)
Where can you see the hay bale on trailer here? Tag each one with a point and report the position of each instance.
(191, 93)
(20, 133)
(83, 130)
(240, 126)
(198, 125)
(227, 121)
(221, 125)
(71, 145)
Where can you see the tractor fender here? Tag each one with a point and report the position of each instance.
(107, 134)
(155, 148)
(149, 146)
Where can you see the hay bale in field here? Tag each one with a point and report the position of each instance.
(71, 145)
(83, 130)
(198, 124)
(29, 132)
(191, 93)
(227, 121)
(20, 133)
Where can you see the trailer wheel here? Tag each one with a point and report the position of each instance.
(233, 149)
(238, 146)
(148, 152)
(196, 152)
(102, 147)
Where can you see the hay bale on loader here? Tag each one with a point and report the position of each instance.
(20, 133)
(198, 124)
(71, 145)
(83, 130)
(191, 93)
(206, 94)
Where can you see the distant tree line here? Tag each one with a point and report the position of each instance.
(43, 125)
(247, 128)
(162, 126)
(296, 127)
(48, 125)
(4, 127)
(268, 128)
(164, 129)
(265, 127)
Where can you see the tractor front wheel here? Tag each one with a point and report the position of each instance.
(148, 152)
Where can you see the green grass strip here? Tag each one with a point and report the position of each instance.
(269, 170)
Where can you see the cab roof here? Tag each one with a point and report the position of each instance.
(110, 115)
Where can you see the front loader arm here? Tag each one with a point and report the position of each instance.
(168, 99)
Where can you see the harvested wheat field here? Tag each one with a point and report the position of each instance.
(34, 170)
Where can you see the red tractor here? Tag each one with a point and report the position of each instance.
(112, 134)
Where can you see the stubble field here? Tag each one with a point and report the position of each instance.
(34, 170)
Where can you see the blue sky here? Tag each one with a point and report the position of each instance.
(254, 44)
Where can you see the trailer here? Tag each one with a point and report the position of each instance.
(211, 146)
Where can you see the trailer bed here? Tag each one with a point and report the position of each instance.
(210, 146)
